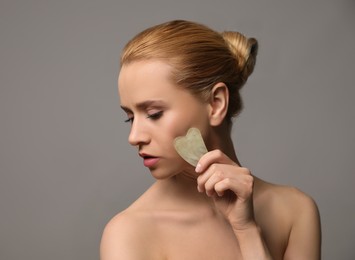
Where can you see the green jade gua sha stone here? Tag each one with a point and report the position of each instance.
(190, 147)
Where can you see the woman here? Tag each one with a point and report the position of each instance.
(179, 75)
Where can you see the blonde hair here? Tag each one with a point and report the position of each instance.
(199, 56)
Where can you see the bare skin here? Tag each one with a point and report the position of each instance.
(218, 210)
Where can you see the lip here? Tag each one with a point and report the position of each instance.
(149, 160)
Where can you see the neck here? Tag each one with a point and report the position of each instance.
(182, 189)
(220, 138)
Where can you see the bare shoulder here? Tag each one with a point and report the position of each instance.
(126, 236)
(119, 237)
(285, 198)
(292, 214)
(132, 233)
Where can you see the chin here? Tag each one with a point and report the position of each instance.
(159, 175)
(164, 174)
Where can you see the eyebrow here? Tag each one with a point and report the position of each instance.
(145, 104)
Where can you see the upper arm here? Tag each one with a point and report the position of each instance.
(305, 235)
(120, 240)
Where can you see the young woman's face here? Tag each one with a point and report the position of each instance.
(158, 111)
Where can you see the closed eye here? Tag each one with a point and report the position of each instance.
(153, 116)
(156, 115)
(129, 120)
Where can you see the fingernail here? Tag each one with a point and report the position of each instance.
(198, 168)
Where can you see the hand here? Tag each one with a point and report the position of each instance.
(231, 187)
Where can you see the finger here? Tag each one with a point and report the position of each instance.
(241, 186)
(215, 156)
(203, 178)
(231, 171)
(211, 182)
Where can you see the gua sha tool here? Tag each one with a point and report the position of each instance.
(191, 146)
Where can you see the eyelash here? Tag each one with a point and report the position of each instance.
(154, 116)
(129, 120)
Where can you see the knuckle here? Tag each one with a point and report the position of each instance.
(249, 178)
(213, 167)
(219, 153)
(216, 153)
(245, 171)
(227, 181)
(219, 174)
(249, 182)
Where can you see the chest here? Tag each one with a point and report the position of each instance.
(208, 239)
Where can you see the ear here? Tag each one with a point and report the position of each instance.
(218, 104)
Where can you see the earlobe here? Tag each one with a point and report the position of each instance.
(218, 103)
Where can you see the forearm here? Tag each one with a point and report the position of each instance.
(252, 244)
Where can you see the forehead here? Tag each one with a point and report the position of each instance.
(142, 80)
(143, 70)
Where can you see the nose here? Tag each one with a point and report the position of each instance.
(138, 134)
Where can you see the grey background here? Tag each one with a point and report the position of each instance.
(65, 165)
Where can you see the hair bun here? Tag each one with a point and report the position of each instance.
(245, 51)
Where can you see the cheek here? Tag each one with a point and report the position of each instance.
(176, 124)
(178, 121)
(183, 118)
(173, 127)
